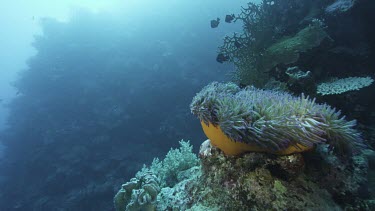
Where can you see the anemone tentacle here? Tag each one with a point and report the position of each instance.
(272, 120)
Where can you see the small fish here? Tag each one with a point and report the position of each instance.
(242, 85)
(237, 44)
(222, 58)
(229, 18)
(215, 23)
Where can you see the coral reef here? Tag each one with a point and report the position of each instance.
(330, 39)
(268, 40)
(316, 180)
(251, 183)
(254, 180)
(278, 35)
(313, 35)
(269, 121)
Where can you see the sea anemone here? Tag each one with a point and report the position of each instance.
(239, 120)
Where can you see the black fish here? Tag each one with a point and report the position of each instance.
(222, 58)
(229, 18)
(242, 86)
(215, 23)
(237, 44)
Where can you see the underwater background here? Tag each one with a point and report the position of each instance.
(105, 90)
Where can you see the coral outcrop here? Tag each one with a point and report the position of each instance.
(317, 180)
(259, 181)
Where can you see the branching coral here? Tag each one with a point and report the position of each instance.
(269, 121)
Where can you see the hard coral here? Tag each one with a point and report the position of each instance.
(251, 119)
(287, 50)
(339, 86)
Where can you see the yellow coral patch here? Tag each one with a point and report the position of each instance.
(230, 147)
